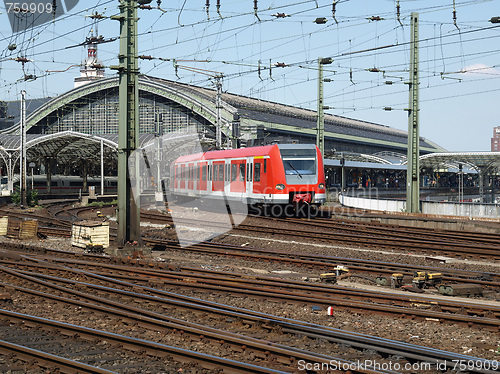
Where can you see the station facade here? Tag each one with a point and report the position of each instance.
(67, 134)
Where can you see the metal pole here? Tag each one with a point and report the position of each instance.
(413, 167)
(102, 167)
(22, 160)
(320, 130)
(218, 135)
(159, 133)
(320, 127)
(128, 133)
(10, 179)
(342, 182)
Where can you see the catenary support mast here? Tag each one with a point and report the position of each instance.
(413, 167)
(128, 133)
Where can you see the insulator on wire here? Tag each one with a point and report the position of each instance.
(398, 13)
(455, 19)
(334, 5)
(455, 16)
(320, 20)
(218, 7)
(207, 8)
(255, 8)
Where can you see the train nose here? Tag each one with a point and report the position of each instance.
(302, 198)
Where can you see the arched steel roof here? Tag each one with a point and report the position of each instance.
(66, 146)
(479, 161)
(253, 114)
(198, 101)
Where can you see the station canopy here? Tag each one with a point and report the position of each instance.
(479, 161)
(66, 146)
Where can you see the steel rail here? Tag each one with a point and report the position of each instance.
(324, 261)
(322, 295)
(49, 361)
(263, 349)
(388, 346)
(426, 235)
(152, 348)
(492, 324)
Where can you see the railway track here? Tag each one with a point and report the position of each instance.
(325, 263)
(374, 235)
(315, 262)
(435, 242)
(144, 347)
(146, 283)
(411, 306)
(90, 297)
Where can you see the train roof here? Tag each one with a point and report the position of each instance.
(240, 152)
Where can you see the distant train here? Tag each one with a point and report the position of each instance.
(63, 185)
(280, 174)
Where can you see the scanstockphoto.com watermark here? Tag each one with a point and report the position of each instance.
(26, 14)
(416, 367)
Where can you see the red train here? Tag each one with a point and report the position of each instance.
(280, 174)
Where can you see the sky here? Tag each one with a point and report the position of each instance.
(270, 49)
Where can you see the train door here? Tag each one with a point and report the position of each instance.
(203, 176)
(196, 177)
(190, 177)
(176, 178)
(183, 177)
(227, 177)
(258, 175)
(238, 171)
(210, 167)
(249, 176)
(218, 176)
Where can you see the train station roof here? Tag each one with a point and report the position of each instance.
(84, 107)
(479, 161)
(66, 146)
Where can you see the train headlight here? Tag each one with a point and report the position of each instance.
(280, 186)
(321, 186)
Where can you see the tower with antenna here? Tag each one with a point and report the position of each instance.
(92, 68)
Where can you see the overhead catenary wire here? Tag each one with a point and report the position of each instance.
(245, 60)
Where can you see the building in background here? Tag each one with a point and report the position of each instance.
(495, 141)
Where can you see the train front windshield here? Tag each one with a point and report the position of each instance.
(299, 163)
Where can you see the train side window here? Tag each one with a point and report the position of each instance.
(204, 173)
(221, 173)
(265, 165)
(256, 173)
(251, 171)
(234, 172)
(242, 171)
(215, 172)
